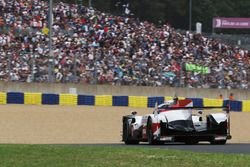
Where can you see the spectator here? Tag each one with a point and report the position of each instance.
(231, 96)
(93, 47)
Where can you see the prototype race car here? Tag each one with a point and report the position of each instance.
(175, 121)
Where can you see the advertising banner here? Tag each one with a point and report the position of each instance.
(197, 68)
(234, 23)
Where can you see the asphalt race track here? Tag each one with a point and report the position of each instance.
(59, 125)
(227, 148)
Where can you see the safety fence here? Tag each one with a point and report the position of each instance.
(108, 100)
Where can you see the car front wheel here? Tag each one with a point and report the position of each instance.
(127, 134)
(150, 134)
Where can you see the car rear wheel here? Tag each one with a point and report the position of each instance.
(127, 135)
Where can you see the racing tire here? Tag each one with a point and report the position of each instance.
(127, 136)
(150, 135)
(221, 142)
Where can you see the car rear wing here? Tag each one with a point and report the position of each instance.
(188, 104)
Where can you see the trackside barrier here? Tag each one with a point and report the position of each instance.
(103, 100)
(108, 100)
(171, 98)
(181, 98)
(138, 101)
(67, 99)
(3, 98)
(152, 101)
(86, 100)
(246, 106)
(168, 98)
(233, 104)
(33, 98)
(120, 100)
(51, 99)
(197, 102)
(212, 102)
(15, 98)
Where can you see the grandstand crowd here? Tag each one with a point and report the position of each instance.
(97, 48)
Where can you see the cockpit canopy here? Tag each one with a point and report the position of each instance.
(175, 104)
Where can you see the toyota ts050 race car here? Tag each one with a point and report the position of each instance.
(175, 121)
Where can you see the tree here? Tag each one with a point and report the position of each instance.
(176, 12)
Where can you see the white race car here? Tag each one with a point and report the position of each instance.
(175, 121)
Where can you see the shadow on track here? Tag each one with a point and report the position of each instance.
(230, 148)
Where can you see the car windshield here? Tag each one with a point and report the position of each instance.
(163, 106)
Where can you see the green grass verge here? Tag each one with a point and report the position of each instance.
(67, 156)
